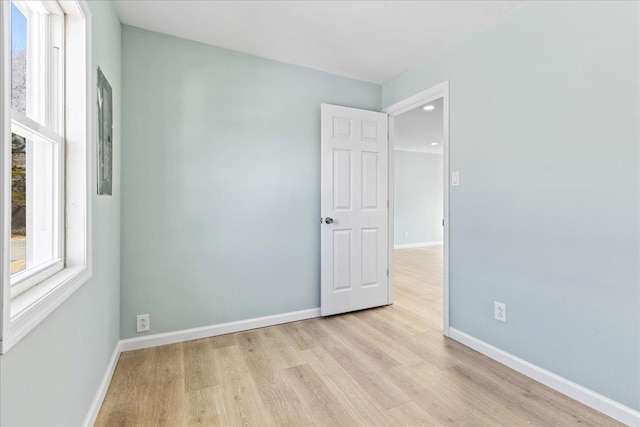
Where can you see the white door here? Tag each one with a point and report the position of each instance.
(354, 209)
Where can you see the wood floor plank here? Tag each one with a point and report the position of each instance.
(204, 407)
(515, 391)
(259, 350)
(324, 407)
(376, 358)
(436, 403)
(297, 336)
(169, 402)
(240, 394)
(255, 357)
(368, 332)
(358, 362)
(202, 366)
(380, 388)
(411, 414)
(474, 400)
(222, 341)
(284, 404)
(337, 377)
(357, 400)
(272, 337)
(286, 357)
(130, 389)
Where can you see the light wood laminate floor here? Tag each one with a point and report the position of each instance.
(384, 366)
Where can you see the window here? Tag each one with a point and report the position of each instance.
(46, 133)
(37, 143)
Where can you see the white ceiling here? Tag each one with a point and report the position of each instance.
(416, 129)
(367, 40)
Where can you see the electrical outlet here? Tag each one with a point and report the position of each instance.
(406, 234)
(142, 323)
(500, 311)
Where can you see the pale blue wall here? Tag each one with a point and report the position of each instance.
(52, 375)
(221, 165)
(545, 118)
(417, 197)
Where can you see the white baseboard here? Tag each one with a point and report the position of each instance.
(600, 403)
(96, 404)
(416, 245)
(213, 330)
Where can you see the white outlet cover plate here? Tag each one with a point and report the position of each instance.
(455, 179)
(142, 323)
(500, 311)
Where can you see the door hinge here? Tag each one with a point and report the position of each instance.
(387, 272)
(443, 222)
(387, 204)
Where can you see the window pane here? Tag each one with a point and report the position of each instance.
(34, 205)
(18, 203)
(18, 60)
(41, 210)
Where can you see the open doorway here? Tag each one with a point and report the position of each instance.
(418, 169)
(418, 223)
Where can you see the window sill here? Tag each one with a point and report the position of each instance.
(33, 306)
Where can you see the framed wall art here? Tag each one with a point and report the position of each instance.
(105, 135)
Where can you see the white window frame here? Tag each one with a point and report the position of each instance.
(22, 313)
(43, 121)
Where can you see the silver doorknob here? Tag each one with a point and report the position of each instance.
(328, 220)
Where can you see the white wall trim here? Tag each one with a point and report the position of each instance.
(428, 95)
(96, 404)
(416, 245)
(594, 400)
(217, 329)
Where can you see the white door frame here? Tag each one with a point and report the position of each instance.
(438, 91)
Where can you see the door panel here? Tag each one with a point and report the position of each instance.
(354, 195)
(342, 179)
(369, 257)
(369, 180)
(341, 259)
